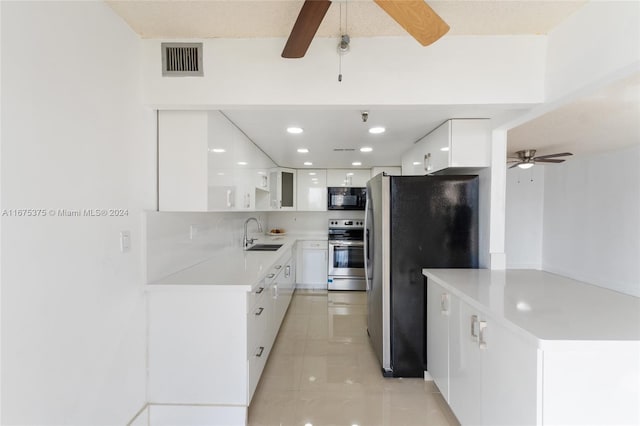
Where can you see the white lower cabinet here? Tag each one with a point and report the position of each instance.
(312, 264)
(208, 345)
(487, 373)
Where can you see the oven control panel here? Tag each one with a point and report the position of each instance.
(346, 223)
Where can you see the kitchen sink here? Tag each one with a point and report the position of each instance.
(265, 247)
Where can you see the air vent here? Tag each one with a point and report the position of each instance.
(182, 59)
(343, 149)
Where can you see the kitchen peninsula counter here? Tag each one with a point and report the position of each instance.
(532, 347)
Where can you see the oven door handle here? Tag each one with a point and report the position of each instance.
(346, 243)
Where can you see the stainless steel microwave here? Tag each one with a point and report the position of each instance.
(343, 198)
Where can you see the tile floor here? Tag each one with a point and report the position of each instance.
(322, 371)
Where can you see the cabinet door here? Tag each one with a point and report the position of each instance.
(438, 312)
(314, 266)
(437, 147)
(312, 190)
(509, 377)
(348, 177)
(282, 183)
(464, 364)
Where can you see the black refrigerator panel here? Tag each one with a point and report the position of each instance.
(434, 224)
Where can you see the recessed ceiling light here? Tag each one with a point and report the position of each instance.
(445, 148)
(220, 174)
(303, 150)
(242, 163)
(312, 173)
(308, 163)
(218, 150)
(366, 149)
(416, 163)
(377, 130)
(294, 130)
(350, 174)
(356, 163)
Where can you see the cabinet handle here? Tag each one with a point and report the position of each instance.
(259, 311)
(287, 271)
(259, 351)
(427, 162)
(229, 198)
(474, 321)
(481, 342)
(271, 275)
(260, 290)
(444, 304)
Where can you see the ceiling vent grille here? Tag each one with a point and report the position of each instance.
(343, 149)
(182, 59)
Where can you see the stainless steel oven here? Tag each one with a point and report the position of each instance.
(346, 254)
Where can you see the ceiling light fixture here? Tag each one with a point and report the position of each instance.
(416, 163)
(294, 130)
(525, 165)
(377, 130)
(356, 163)
(303, 150)
(312, 173)
(366, 149)
(242, 163)
(218, 150)
(350, 174)
(308, 163)
(445, 148)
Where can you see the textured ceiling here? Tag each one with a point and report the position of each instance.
(362, 18)
(607, 119)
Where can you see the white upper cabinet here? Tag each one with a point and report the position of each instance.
(348, 177)
(282, 189)
(312, 190)
(207, 164)
(462, 144)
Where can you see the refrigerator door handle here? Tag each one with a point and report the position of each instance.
(366, 244)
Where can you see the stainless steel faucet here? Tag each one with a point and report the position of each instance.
(246, 241)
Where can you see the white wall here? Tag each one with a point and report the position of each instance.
(74, 136)
(524, 213)
(599, 42)
(467, 70)
(591, 219)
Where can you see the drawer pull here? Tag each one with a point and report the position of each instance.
(259, 311)
(260, 290)
(481, 342)
(444, 304)
(260, 351)
(287, 271)
(271, 275)
(278, 266)
(474, 321)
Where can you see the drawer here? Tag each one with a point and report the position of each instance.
(258, 325)
(256, 362)
(314, 244)
(257, 293)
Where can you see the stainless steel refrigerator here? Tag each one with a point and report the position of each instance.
(413, 222)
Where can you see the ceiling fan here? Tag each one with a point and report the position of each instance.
(526, 158)
(415, 16)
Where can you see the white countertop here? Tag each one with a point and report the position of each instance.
(547, 306)
(234, 267)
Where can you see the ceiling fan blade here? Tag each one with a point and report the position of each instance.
(417, 18)
(309, 19)
(517, 164)
(548, 160)
(562, 154)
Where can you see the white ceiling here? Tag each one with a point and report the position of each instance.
(327, 129)
(604, 120)
(362, 18)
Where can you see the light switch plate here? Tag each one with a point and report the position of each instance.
(125, 241)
